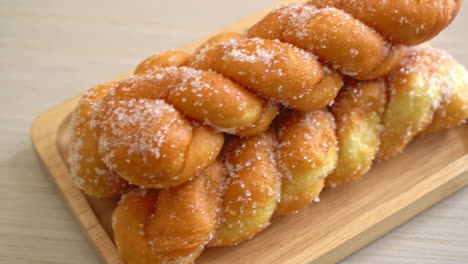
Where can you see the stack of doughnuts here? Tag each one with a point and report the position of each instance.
(204, 149)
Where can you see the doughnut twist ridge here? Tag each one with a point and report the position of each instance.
(169, 225)
(89, 172)
(428, 92)
(344, 35)
(275, 70)
(401, 21)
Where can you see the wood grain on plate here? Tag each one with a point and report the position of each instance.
(346, 218)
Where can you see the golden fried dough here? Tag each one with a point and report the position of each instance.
(322, 94)
(170, 225)
(413, 96)
(150, 143)
(252, 188)
(162, 127)
(453, 106)
(334, 36)
(165, 59)
(271, 108)
(282, 170)
(270, 111)
(402, 21)
(307, 153)
(219, 38)
(86, 167)
(273, 69)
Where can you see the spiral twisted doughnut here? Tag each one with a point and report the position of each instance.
(285, 168)
(162, 127)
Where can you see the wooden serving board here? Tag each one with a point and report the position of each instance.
(346, 219)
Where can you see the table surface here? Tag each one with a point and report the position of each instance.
(51, 50)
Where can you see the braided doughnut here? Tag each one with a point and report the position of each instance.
(402, 21)
(155, 128)
(252, 190)
(285, 168)
(139, 133)
(170, 225)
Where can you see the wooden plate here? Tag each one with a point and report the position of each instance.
(347, 218)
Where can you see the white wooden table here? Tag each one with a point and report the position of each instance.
(51, 50)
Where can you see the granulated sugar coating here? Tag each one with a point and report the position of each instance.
(252, 188)
(358, 110)
(334, 36)
(171, 225)
(307, 153)
(362, 39)
(414, 94)
(275, 174)
(453, 103)
(273, 69)
(401, 21)
(86, 166)
(144, 138)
